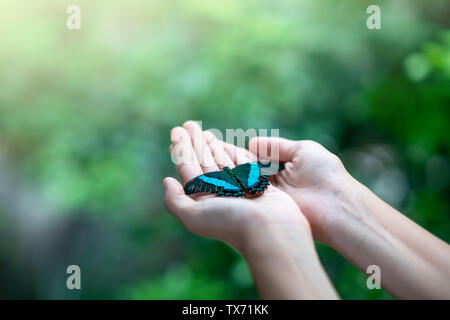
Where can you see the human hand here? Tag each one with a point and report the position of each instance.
(347, 216)
(314, 177)
(236, 221)
(269, 230)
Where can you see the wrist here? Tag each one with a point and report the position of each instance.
(287, 246)
(285, 264)
(268, 232)
(351, 214)
(279, 238)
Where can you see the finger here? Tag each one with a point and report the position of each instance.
(218, 151)
(274, 149)
(238, 155)
(201, 148)
(178, 203)
(183, 155)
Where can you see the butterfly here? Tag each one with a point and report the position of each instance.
(251, 177)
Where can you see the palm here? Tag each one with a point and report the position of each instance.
(225, 218)
(230, 218)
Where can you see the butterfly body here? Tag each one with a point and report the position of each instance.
(252, 177)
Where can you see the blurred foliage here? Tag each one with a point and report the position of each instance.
(85, 117)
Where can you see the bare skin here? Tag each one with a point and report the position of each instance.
(347, 216)
(313, 196)
(270, 230)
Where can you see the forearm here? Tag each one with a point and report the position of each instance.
(285, 265)
(422, 242)
(413, 263)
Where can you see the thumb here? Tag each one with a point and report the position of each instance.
(274, 149)
(176, 201)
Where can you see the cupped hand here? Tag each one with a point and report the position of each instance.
(236, 221)
(314, 177)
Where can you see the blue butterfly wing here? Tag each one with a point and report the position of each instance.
(218, 182)
(254, 176)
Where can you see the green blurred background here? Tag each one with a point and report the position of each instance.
(85, 117)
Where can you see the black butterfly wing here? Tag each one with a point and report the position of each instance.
(249, 174)
(218, 182)
(254, 176)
